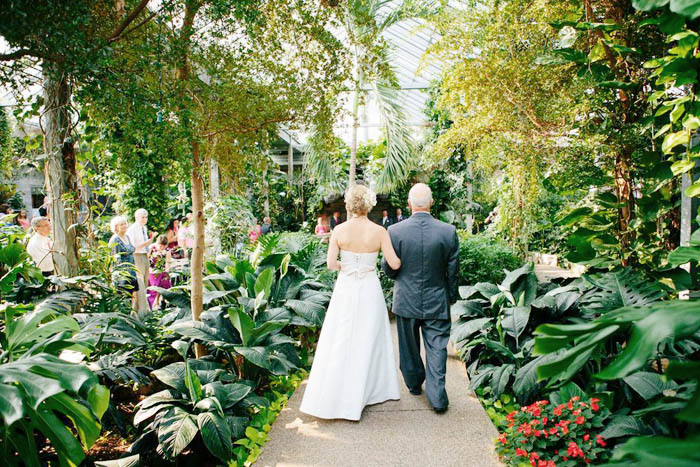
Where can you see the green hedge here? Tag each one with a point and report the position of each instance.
(483, 258)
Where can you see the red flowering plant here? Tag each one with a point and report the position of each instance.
(547, 435)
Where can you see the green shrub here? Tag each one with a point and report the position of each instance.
(483, 258)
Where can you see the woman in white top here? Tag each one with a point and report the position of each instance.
(354, 364)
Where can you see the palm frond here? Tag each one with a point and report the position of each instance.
(400, 148)
(317, 162)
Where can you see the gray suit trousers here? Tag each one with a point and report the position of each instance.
(436, 333)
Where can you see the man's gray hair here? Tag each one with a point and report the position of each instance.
(140, 212)
(115, 221)
(37, 220)
(420, 195)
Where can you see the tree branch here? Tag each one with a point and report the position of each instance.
(127, 21)
(29, 53)
(251, 129)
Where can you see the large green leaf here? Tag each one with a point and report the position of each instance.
(193, 384)
(176, 430)
(310, 312)
(264, 282)
(648, 5)
(465, 328)
(618, 289)
(689, 8)
(243, 323)
(657, 451)
(216, 434)
(515, 320)
(674, 319)
(648, 385)
(624, 425)
(684, 254)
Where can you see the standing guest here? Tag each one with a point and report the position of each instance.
(399, 216)
(386, 220)
(255, 231)
(185, 233)
(266, 228)
(22, 220)
(160, 265)
(320, 227)
(44, 208)
(171, 236)
(5, 212)
(124, 272)
(138, 235)
(335, 220)
(39, 246)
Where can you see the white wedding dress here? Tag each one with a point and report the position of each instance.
(354, 363)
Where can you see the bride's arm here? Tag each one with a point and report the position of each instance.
(390, 256)
(333, 250)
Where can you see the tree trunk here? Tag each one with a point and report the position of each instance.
(266, 193)
(214, 195)
(61, 181)
(623, 190)
(290, 161)
(470, 199)
(197, 260)
(355, 123)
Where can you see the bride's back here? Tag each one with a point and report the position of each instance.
(359, 235)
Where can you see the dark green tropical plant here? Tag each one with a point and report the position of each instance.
(202, 399)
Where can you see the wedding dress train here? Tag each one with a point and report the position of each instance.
(354, 363)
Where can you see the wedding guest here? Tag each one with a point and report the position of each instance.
(160, 258)
(255, 232)
(266, 228)
(44, 208)
(386, 220)
(138, 234)
(22, 220)
(320, 227)
(185, 233)
(39, 246)
(335, 220)
(124, 271)
(5, 212)
(171, 232)
(399, 216)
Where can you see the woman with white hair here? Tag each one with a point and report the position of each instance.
(124, 271)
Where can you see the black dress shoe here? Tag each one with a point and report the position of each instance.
(415, 392)
(440, 409)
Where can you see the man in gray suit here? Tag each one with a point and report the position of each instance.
(426, 285)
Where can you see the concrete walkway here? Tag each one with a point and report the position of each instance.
(546, 272)
(396, 433)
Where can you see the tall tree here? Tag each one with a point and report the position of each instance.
(68, 41)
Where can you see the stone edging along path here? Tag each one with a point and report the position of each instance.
(396, 433)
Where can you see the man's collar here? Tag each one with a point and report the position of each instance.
(423, 213)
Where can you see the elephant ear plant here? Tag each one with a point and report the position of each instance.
(41, 393)
(491, 323)
(202, 400)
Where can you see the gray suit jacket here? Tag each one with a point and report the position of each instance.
(426, 283)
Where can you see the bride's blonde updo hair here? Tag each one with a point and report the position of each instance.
(359, 200)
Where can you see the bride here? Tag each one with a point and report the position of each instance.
(354, 363)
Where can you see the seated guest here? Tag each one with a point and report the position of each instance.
(39, 246)
(124, 271)
(160, 265)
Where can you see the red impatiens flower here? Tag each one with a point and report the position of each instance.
(574, 450)
(586, 437)
(599, 439)
(594, 404)
(580, 420)
(521, 452)
(502, 438)
(533, 458)
(558, 409)
(553, 431)
(544, 420)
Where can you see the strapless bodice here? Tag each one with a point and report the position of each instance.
(358, 264)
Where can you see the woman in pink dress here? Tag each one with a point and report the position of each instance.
(160, 264)
(255, 232)
(320, 227)
(22, 220)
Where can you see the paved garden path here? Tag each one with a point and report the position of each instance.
(546, 272)
(397, 433)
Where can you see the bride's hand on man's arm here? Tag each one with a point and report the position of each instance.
(390, 255)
